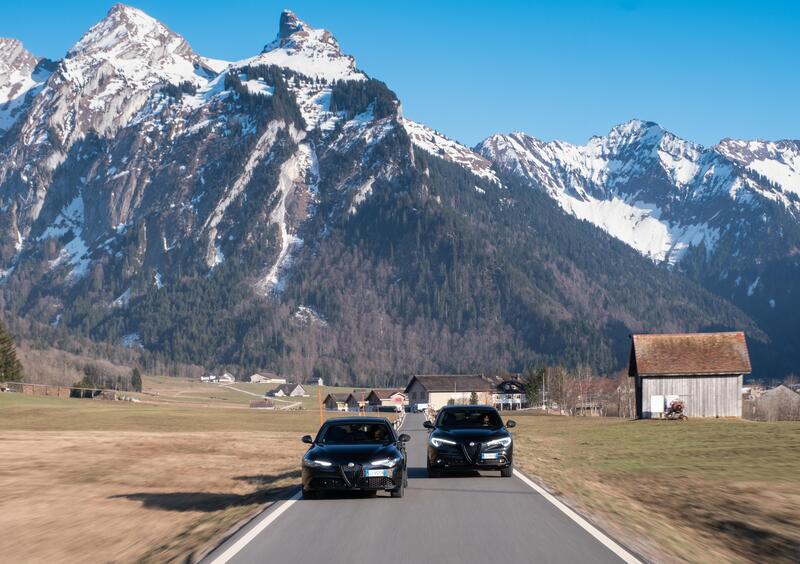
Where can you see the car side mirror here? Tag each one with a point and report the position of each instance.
(511, 423)
(404, 438)
(427, 425)
(308, 440)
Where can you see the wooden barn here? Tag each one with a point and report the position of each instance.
(704, 370)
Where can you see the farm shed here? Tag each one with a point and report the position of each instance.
(341, 402)
(704, 370)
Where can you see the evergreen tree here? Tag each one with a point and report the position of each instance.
(136, 380)
(10, 367)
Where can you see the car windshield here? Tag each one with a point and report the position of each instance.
(469, 419)
(355, 433)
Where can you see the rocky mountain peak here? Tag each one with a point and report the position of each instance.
(289, 24)
(20, 72)
(307, 50)
(127, 34)
(14, 57)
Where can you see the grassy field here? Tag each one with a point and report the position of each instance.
(92, 480)
(164, 479)
(164, 389)
(696, 491)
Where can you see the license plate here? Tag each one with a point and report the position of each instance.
(376, 473)
(490, 456)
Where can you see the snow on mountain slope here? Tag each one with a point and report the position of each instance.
(21, 77)
(778, 161)
(645, 186)
(436, 144)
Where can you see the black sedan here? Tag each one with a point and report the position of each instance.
(355, 454)
(469, 437)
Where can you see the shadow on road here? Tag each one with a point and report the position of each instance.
(209, 502)
(417, 472)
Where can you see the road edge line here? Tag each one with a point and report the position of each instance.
(257, 529)
(600, 536)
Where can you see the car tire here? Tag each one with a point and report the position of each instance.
(507, 472)
(398, 492)
(434, 472)
(308, 494)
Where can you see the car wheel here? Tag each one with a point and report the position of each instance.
(434, 472)
(308, 494)
(398, 492)
(507, 472)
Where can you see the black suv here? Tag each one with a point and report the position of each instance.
(469, 437)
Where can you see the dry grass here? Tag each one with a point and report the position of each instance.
(696, 491)
(167, 389)
(84, 480)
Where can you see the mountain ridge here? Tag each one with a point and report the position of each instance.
(220, 200)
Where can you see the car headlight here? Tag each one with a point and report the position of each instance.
(387, 462)
(437, 442)
(311, 463)
(505, 441)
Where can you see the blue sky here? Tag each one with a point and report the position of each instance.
(557, 70)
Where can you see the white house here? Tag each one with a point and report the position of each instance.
(227, 378)
(441, 389)
(262, 379)
(288, 390)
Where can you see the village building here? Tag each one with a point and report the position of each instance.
(266, 379)
(510, 394)
(703, 370)
(227, 378)
(386, 398)
(340, 402)
(436, 391)
(288, 390)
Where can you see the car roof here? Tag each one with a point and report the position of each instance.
(357, 420)
(468, 407)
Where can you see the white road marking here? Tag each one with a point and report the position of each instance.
(234, 549)
(583, 523)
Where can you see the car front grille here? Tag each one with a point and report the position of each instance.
(327, 483)
(472, 453)
(351, 474)
(452, 459)
(376, 483)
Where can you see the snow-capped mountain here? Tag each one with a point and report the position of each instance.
(647, 187)
(727, 215)
(203, 209)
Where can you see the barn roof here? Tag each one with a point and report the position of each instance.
(339, 397)
(385, 393)
(455, 382)
(705, 354)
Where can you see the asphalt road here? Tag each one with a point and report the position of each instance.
(460, 519)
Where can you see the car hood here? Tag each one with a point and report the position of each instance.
(359, 454)
(467, 435)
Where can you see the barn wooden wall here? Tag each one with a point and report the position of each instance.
(703, 396)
